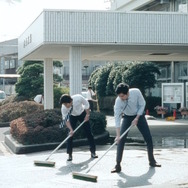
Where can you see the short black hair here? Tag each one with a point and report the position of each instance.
(89, 87)
(122, 88)
(65, 99)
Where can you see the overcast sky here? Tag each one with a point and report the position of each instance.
(17, 15)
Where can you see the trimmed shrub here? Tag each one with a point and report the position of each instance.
(43, 127)
(107, 103)
(57, 94)
(152, 102)
(14, 110)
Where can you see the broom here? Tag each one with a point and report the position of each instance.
(47, 163)
(92, 178)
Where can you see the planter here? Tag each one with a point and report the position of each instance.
(184, 113)
(161, 112)
(4, 124)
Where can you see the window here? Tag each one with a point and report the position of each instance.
(12, 63)
(163, 74)
(181, 5)
(183, 71)
(7, 65)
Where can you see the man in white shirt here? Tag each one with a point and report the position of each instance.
(39, 99)
(130, 104)
(76, 108)
(90, 93)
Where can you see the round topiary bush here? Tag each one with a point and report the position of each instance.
(14, 110)
(43, 127)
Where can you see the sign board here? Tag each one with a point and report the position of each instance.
(173, 93)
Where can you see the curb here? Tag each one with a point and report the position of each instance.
(18, 148)
(4, 124)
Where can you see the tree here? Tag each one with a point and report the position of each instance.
(92, 79)
(141, 75)
(31, 81)
(101, 80)
(114, 76)
(136, 74)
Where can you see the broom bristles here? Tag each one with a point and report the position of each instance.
(85, 177)
(44, 163)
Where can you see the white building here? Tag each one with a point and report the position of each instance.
(175, 71)
(76, 36)
(8, 65)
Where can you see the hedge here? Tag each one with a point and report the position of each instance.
(14, 110)
(43, 127)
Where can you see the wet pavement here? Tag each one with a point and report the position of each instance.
(18, 171)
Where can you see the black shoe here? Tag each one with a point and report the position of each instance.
(69, 158)
(94, 156)
(154, 164)
(116, 169)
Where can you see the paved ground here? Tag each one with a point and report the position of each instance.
(18, 171)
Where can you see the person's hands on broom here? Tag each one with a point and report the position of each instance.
(71, 132)
(117, 139)
(135, 120)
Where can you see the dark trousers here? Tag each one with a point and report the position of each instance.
(144, 130)
(91, 105)
(87, 129)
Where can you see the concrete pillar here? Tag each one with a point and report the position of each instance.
(172, 72)
(75, 71)
(48, 84)
(2, 71)
(2, 66)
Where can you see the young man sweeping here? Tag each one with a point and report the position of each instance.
(76, 108)
(130, 105)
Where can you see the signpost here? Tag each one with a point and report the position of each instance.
(173, 93)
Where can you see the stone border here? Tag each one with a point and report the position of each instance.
(4, 124)
(18, 148)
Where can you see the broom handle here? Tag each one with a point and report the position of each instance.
(64, 141)
(109, 148)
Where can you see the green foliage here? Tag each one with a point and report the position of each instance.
(21, 69)
(93, 77)
(152, 102)
(57, 63)
(14, 110)
(137, 74)
(120, 69)
(43, 127)
(57, 78)
(101, 80)
(110, 86)
(31, 81)
(107, 103)
(141, 75)
(57, 94)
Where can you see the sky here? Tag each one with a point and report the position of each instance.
(17, 15)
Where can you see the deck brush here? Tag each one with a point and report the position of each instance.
(47, 163)
(92, 178)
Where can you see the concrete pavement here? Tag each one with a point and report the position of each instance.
(19, 171)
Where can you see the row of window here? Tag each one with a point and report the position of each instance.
(10, 64)
(182, 71)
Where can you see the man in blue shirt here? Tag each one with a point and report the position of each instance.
(130, 105)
